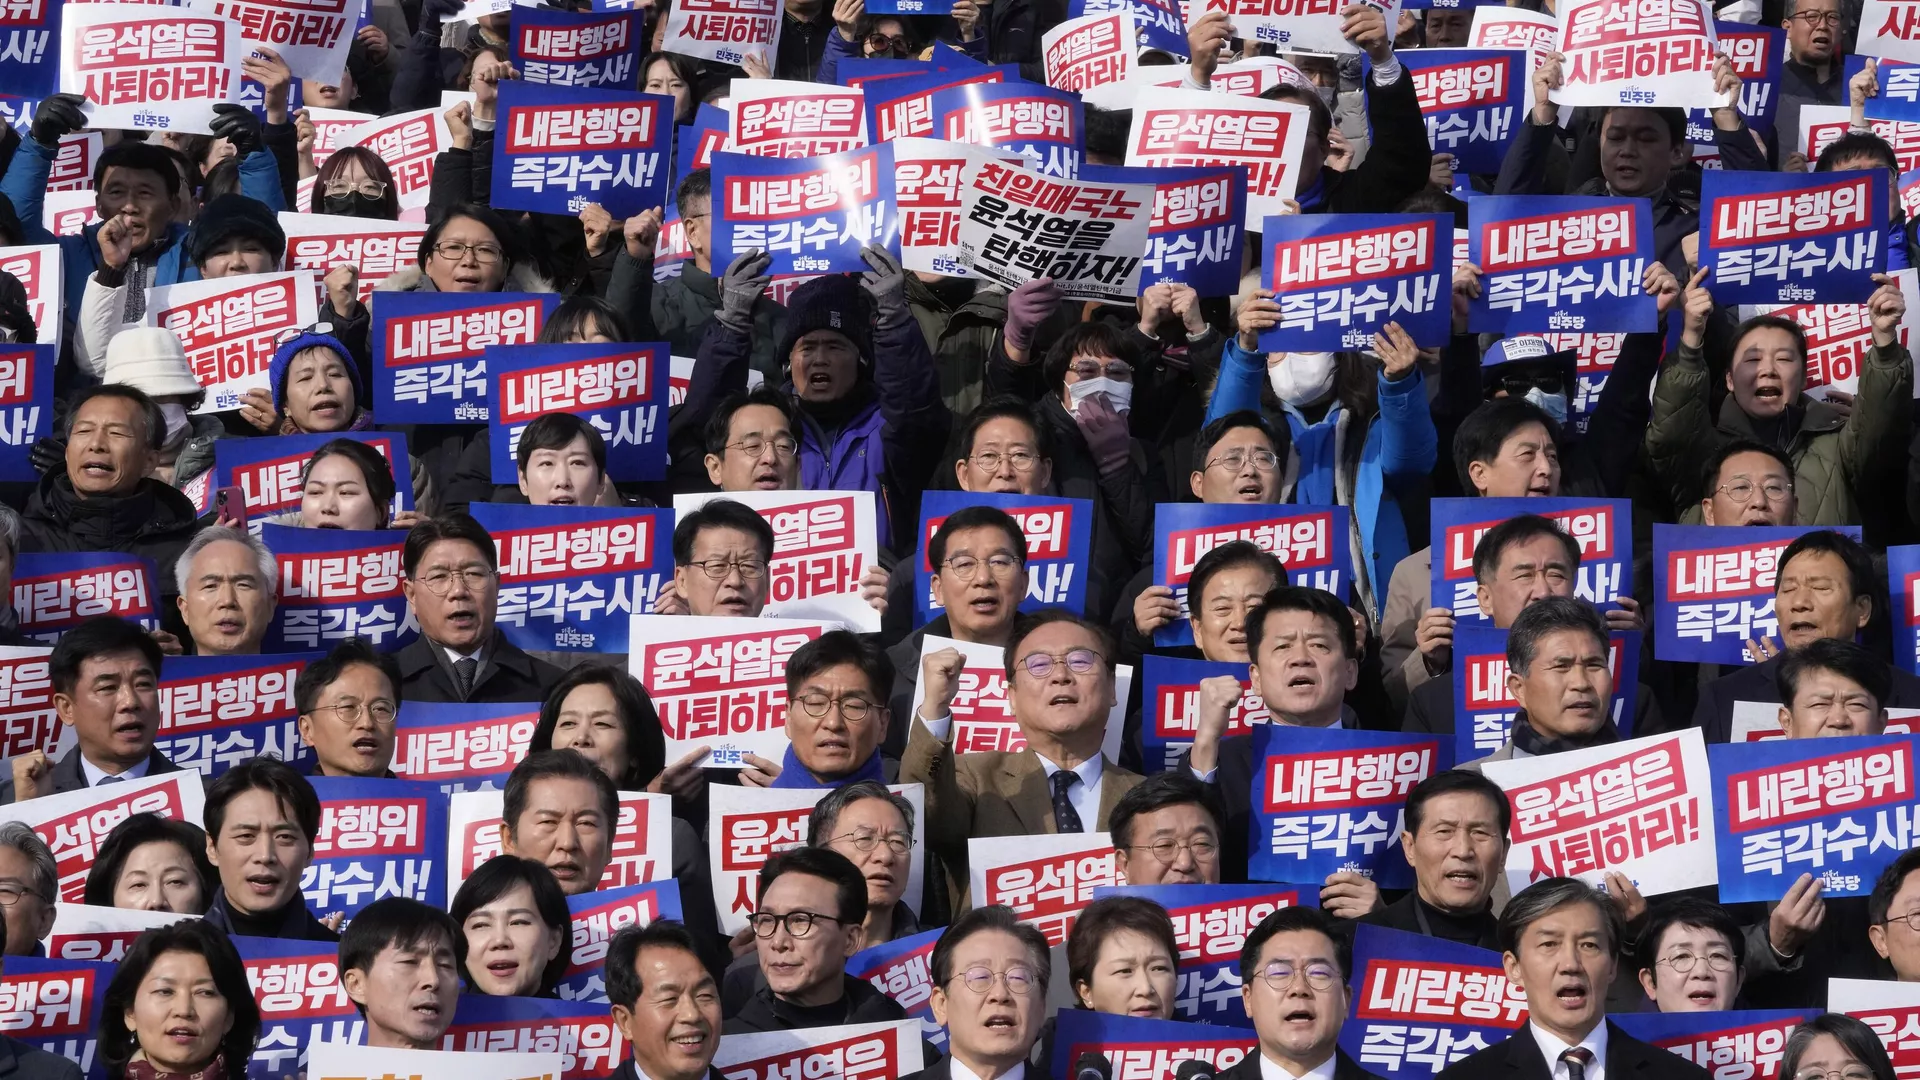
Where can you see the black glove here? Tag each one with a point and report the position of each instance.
(237, 125)
(49, 455)
(435, 12)
(57, 116)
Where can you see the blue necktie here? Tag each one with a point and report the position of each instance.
(1065, 818)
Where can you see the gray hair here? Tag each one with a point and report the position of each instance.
(206, 538)
(1550, 615)
(10, 529)
(20, 836)
(826, 813)
(1548, 895)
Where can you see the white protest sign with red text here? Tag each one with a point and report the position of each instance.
(1640, 807)
(1514, 28)
(1891, 1009)
(1755, 721)
(73, 165)
(1890, 29)
(787, 119)
(1092, 56)
(745, 825)
(68, 213)
(229, 327)
(724, 30)
(642, 839)
(408, 142)
(149, 70)
(1293, 25)
(1045, 879)
(312, 36)
(27, 720)
(1620, 52)
(718, 682)
(1839, 335)
(982, 710)
(343, 1061)
(1199, 127)
(823, 543)
(320, 242)
(37, 268)
(81, 932)
(1243, 78)
(73, 823)
(850, 1052)
(928, 178)
(1821, 125)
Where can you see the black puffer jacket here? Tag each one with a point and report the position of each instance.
(155, 522)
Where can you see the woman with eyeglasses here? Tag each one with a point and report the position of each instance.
(355, 182)
(519, 934)
(179, 1008)
(151, 863)
(1834, 1046)
(1123, 958)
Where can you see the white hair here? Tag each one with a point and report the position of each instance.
(206, 538)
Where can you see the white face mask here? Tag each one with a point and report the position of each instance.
(176, 415)
(1554, 405)
(1303, 378)
(1119, 394)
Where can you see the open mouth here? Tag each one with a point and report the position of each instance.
(1706, 999)
(367, 745)
(565, 870)
(766, 479)
(1571, 996)
(130, 729)
(1064, 699)
(428, 1011)
(503, 969)
(98, 469)
(819, 380)
(1298, 1016)
(984, 605)
(263, 884)
(558, 499)
(1000, 1020)
(691, 1041)
(182, 1034)
(1249, 488)
(1465, 879)
(1302, 682)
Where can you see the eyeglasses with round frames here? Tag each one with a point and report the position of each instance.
(784, 447)
(853, 709)
(1166, 849)
(980, 979)
(384, 712)
(1079, 661)
(1235, 460)
(1021, 460)
(865, 842)
(1682, 963)
(372, 189)
(440, 582)
(1318, 976)
(798, 923)
(964, 567)
(1742, 491)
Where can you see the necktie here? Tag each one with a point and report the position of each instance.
(1577, 1059)
(105, 780)
(1065, 818)
(464, 670)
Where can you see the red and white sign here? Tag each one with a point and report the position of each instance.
(786, 119)
(27, 721)
(229, 327)
(74, 823)
(1821, 125)
(73, 165)
(1092, 56)
(149, 70)
(850, 1052)
(1514, 28)
(101, 934)
(312, 36)
(1755, 721)
(1045, 879)
(320, 242)
(1199, 127)
(745, 825)
(408, 142)
(725, 30)
(983, 711)
(1891, 1009)
(37, 267)
(1293, 25)
(718, 682)
(823, 543)
(928, 177)
(642, 838)
(1839, 335)
(1890, 29)
(1621, 52)
(68, 213)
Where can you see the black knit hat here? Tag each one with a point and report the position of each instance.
(831, 302)
(233, 215)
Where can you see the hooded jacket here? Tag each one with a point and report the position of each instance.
(155, 522)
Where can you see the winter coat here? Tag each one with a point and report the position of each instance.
(155, 522)
(683, 309)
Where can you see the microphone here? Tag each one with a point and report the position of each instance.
(1092, 1066)
(1194, 1069)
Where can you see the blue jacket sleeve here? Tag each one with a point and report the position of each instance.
(260, 180)
(1408, 441)
(1241, 374)
(838, 49)
(25, 185)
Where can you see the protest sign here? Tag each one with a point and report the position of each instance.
(297, 986)
(1756, 53)
(1330, 800)
(217, 711)
(1839, 335)
(1755, 721)
(1713, 593)
(462, 746)
(1339, 278)
(569, 48)
(1891, 1009)
(1043, 125)
(1017, 224)
(26, 400)
(341, 1061)
(572, 577)
(148, 70)
(615, 387)
(331, 130)
(1058, 535)
(1484, 705)
(1211, 924)
(1890, 29)
(642, 845)
(695, 143)
(1171, 706)
(718, 682)
(82, 932)
(903, 107)
(1157, 24)
(430, 350)
(374, 248)
(1594, 357)
(559, 148)
(37, 268)
(902, 970)
(336, 585)
(73, 823)
(73, 165)
(1647, 55)
(1046, 879)
(1473, 101)
(1903, 573)
(982, 716)
(378, 838)
(1143, 1048)
(824, 542)
(1311, 26)
(1197, 229)
(812, 215)
(1788, 237)
(1822, 125)
(1639, 807)
(29, 64)
(408, 142)
(1602, 527)
(1840, 809)
(1498, 27)
(57, 1006)
(1176, 127)
(311, 36)
(1421, 1003)
(927, 179)
(1744, 1045)
(589, 1043)
(27, 721)
(68, 213)
(53, 592)
(1561, 262)
(724, 30)
(747, 825)
(784, 118)
(271, 471)
(851, 1051)
(910, 7)
(1243, 78)
(596, 917)
(229, 327)
(1093, 56)
(1313, 543)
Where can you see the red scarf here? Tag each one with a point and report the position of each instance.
(142, 1069)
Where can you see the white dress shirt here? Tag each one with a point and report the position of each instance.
(1551, 1048)
(957, 1071)
(94, 773)
(1084, 796)
(1273, 1070)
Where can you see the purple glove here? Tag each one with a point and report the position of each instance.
(1027, 307)
(1106, 433)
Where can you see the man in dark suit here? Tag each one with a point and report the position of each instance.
(664, 1001)
(453, 586)
(18, 1061)
(1561, 937)
(1456, 840)
(105, 675)
(990, 975)
(1293, 980)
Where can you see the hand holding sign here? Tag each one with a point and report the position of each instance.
(1662, 286)
(1864, 84)
(1726, 84)
(57, 117)
(1365, 26)
(1693, 333)
(745, 281)
(1433, 638)
(1798, 916)
(1209, 36)
(1259, 315)
(1397, 351)
(1547, 77)
(939, 678)
(1154, 608)
(1886, 307)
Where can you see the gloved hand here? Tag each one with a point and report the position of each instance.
(745, 281)
(1027, 307)
(435, 12)
(237, 125)
(1106, 433)
(886, 285)
(49, 455)
(57, 116)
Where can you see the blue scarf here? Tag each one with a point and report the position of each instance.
(795, 775)
(1319, 457)
(1311, 198)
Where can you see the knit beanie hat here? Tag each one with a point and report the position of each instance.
(283, 359)
(234, 215)
(831, 302)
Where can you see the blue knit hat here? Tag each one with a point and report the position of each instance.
(283, 358)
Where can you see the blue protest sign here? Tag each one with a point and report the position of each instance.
(812, 214)
(1897, 87)
(1312, 542)
(559, 148)
(57, 1006)
(430, 348)
(595, 1045)
(1748, 1043)
(1756, 51)
(1059, 536)
(902, 107)
(1421, 1003)
(1903, 573)
(1560, 262)
(378, 838)
(1841, 808)
(462, 747)
(1339, 278)
(217, 711)
(30, 59)
(859, 72)
(254, 97)
(1327, 800)
(1197, 230)
(338, 584)
(1473, 100)
(1170, 706)
(1138, 1047)
(1043, 125)
(1483, 707)
(1602, 527)
(55, 591)
(1211, 924)
(569, 48)
(1159, 23)
(1713, 589)
(597, 916)
(271, 472)
(26, 404)
(695, 143)
(572, 576)
(297, 986)
(910, 7)
(619, 388)
(902, 970)
(1773, 238)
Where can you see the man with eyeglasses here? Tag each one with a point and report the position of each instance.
(1166, 831)
(348, 703)
(809, 918)
(990, 973)
(1893, 919)
(721, 556)
(452, 584)
(836, 716)
(1812, 74)
(1293, 982)
(1691, 956)
(750, 443)
(1747, 482)
(227, 580)
(29, 888)
(1455, 838)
